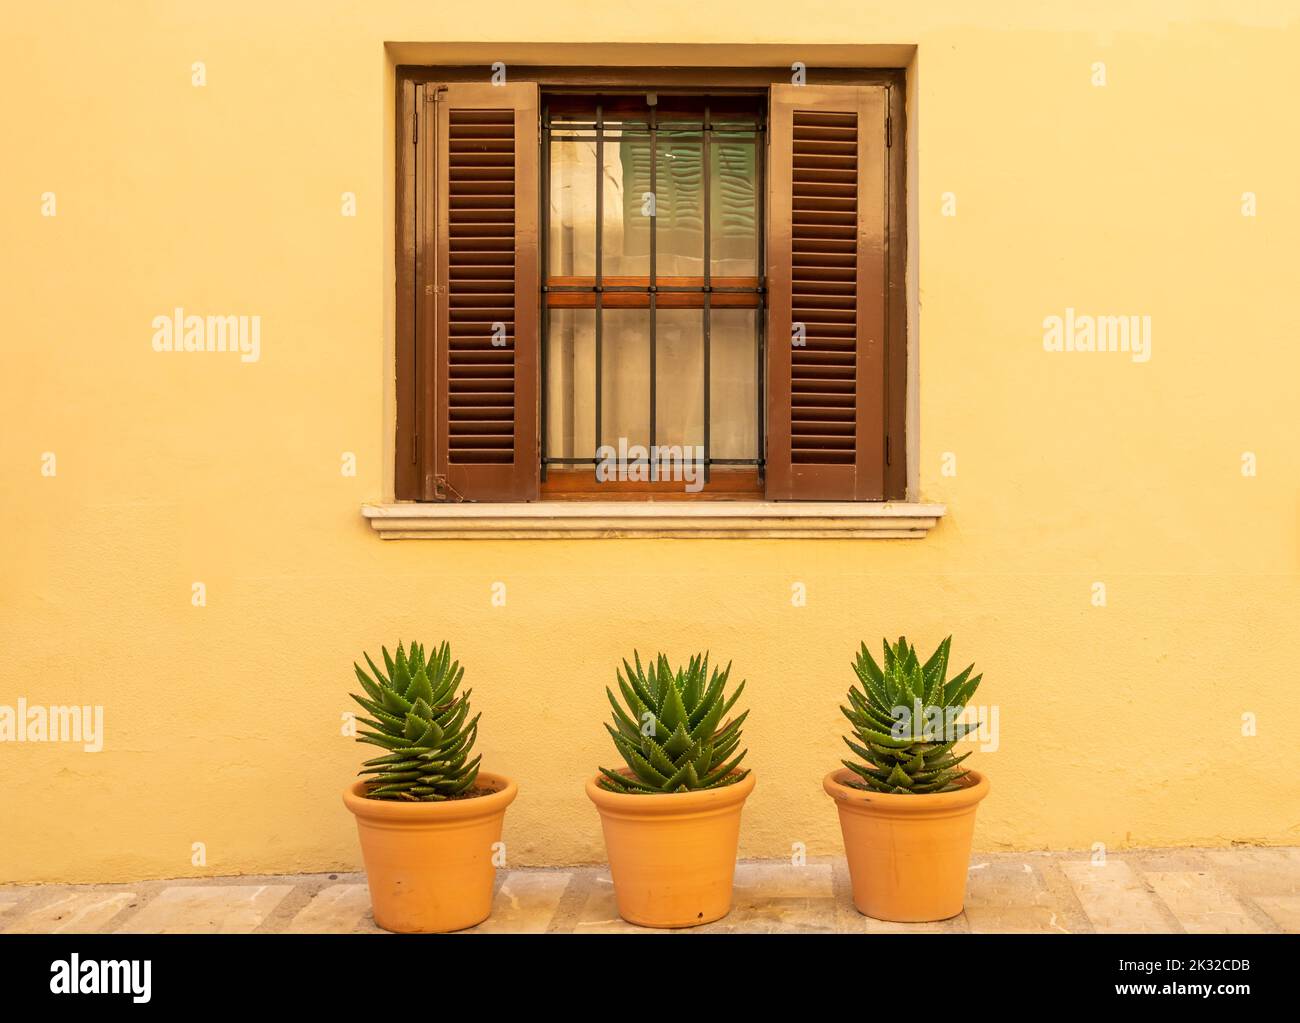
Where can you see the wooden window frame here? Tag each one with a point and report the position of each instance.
(413, 397)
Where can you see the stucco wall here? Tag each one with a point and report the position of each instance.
(1120, 724)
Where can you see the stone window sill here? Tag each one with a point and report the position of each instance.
(600, 520)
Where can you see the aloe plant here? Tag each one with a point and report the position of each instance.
(671, 735)
(904, 719)
(418, 717)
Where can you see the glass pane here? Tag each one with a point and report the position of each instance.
(733, 207)
(625, 376)
(626, 220)
(679, 376)
(571, 383)
(625, 176)
(733, 383)
(679, 193)
(678, 205)
(572, 226)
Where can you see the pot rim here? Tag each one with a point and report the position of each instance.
(434, 812)
(668, 804)
(894, 804)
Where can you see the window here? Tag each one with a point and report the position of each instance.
(666, 284)
(651, 286)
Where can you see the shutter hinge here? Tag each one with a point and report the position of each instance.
(444, 491)
(415, 448)
(889, 131)
(888, 460)
(415, 128)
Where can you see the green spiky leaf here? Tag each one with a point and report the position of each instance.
(683, 749)
(418, 718)
(910, 760)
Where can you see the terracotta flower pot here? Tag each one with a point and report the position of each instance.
(672, 856)
(908, 855)
(429, 865)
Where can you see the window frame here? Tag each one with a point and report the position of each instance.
(580, 485)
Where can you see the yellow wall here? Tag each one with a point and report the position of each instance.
(1120, 725)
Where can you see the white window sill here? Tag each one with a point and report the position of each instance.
(600, 520)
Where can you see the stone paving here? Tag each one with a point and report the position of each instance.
(1221, 891)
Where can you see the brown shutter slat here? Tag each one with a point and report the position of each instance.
(826, 269)
(483, 410)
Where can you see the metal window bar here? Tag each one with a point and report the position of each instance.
(706, 150)
(760, 203)
(582, 460)
(544, 244)
(654, 235)
(661, 289)
(708, 289)
(600, 265)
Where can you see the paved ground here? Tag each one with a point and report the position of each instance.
(1230, 891)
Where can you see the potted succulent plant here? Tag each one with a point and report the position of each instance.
(671, 818)
(908, 811)
(428, 818)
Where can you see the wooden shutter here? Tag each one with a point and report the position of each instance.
(826, 266)
(478, 291)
